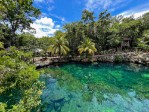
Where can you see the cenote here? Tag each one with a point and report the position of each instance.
(97, 87)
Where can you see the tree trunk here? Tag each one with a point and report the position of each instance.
(86, 54)
(60, 53)
(116, 49)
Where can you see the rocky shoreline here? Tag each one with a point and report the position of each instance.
(132, 57)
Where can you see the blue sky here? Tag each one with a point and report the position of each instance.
(56, 13)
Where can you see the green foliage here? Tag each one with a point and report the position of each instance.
(39, 46)
(143, 42)
(27, 41)
(103, 25)
(2, 107)
(145, 20)
(118, 58)
(17, 73)
(18, 15)
(74, 35)
(19, 56)
(107, 32)
(1, 45)
(87, 46)
(5, 36)
(19, 77)
(60, 45)
(31, 99)
(45, 42)
(114, 40)
(87, 17)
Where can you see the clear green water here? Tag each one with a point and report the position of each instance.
(102, 87)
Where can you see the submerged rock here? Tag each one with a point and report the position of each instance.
(132, 94)
(52, 80)
(58, 100)
(79, 106)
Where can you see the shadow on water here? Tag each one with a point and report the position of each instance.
(8, 97)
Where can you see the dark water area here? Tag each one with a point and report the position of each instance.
(97, 87)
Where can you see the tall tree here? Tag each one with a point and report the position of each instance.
(103, 25)
(17, 15)
(60, 44)
(131, 28)
(43, 45)
(145, 21)
(143, 43)
(27, 42)
(114, 39)
(5, 34)
(74, 34)
(88, 20)
(87, 17)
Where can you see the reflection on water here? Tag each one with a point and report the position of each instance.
(96, 88)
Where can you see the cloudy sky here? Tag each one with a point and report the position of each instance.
(56, 13)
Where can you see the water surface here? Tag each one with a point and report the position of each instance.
(102, 87)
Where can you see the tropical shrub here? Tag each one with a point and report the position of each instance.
(19, 85)
(118, 58)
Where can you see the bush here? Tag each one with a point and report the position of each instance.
(18, 80)
(118, 58)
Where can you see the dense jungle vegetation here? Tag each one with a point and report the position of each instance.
(91, 35)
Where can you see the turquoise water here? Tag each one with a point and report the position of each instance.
(98, 87)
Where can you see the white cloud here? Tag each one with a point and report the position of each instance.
(45, 21)
(51, 8)
(45, 4)
(58, 17)
(39, 0)
(44, 27)
(136, 12)
(62, 19)
(48, 1)
(105, 4)
(113, 5)
(58, 26)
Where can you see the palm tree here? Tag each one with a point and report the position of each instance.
(87, 46)
(59, 45)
